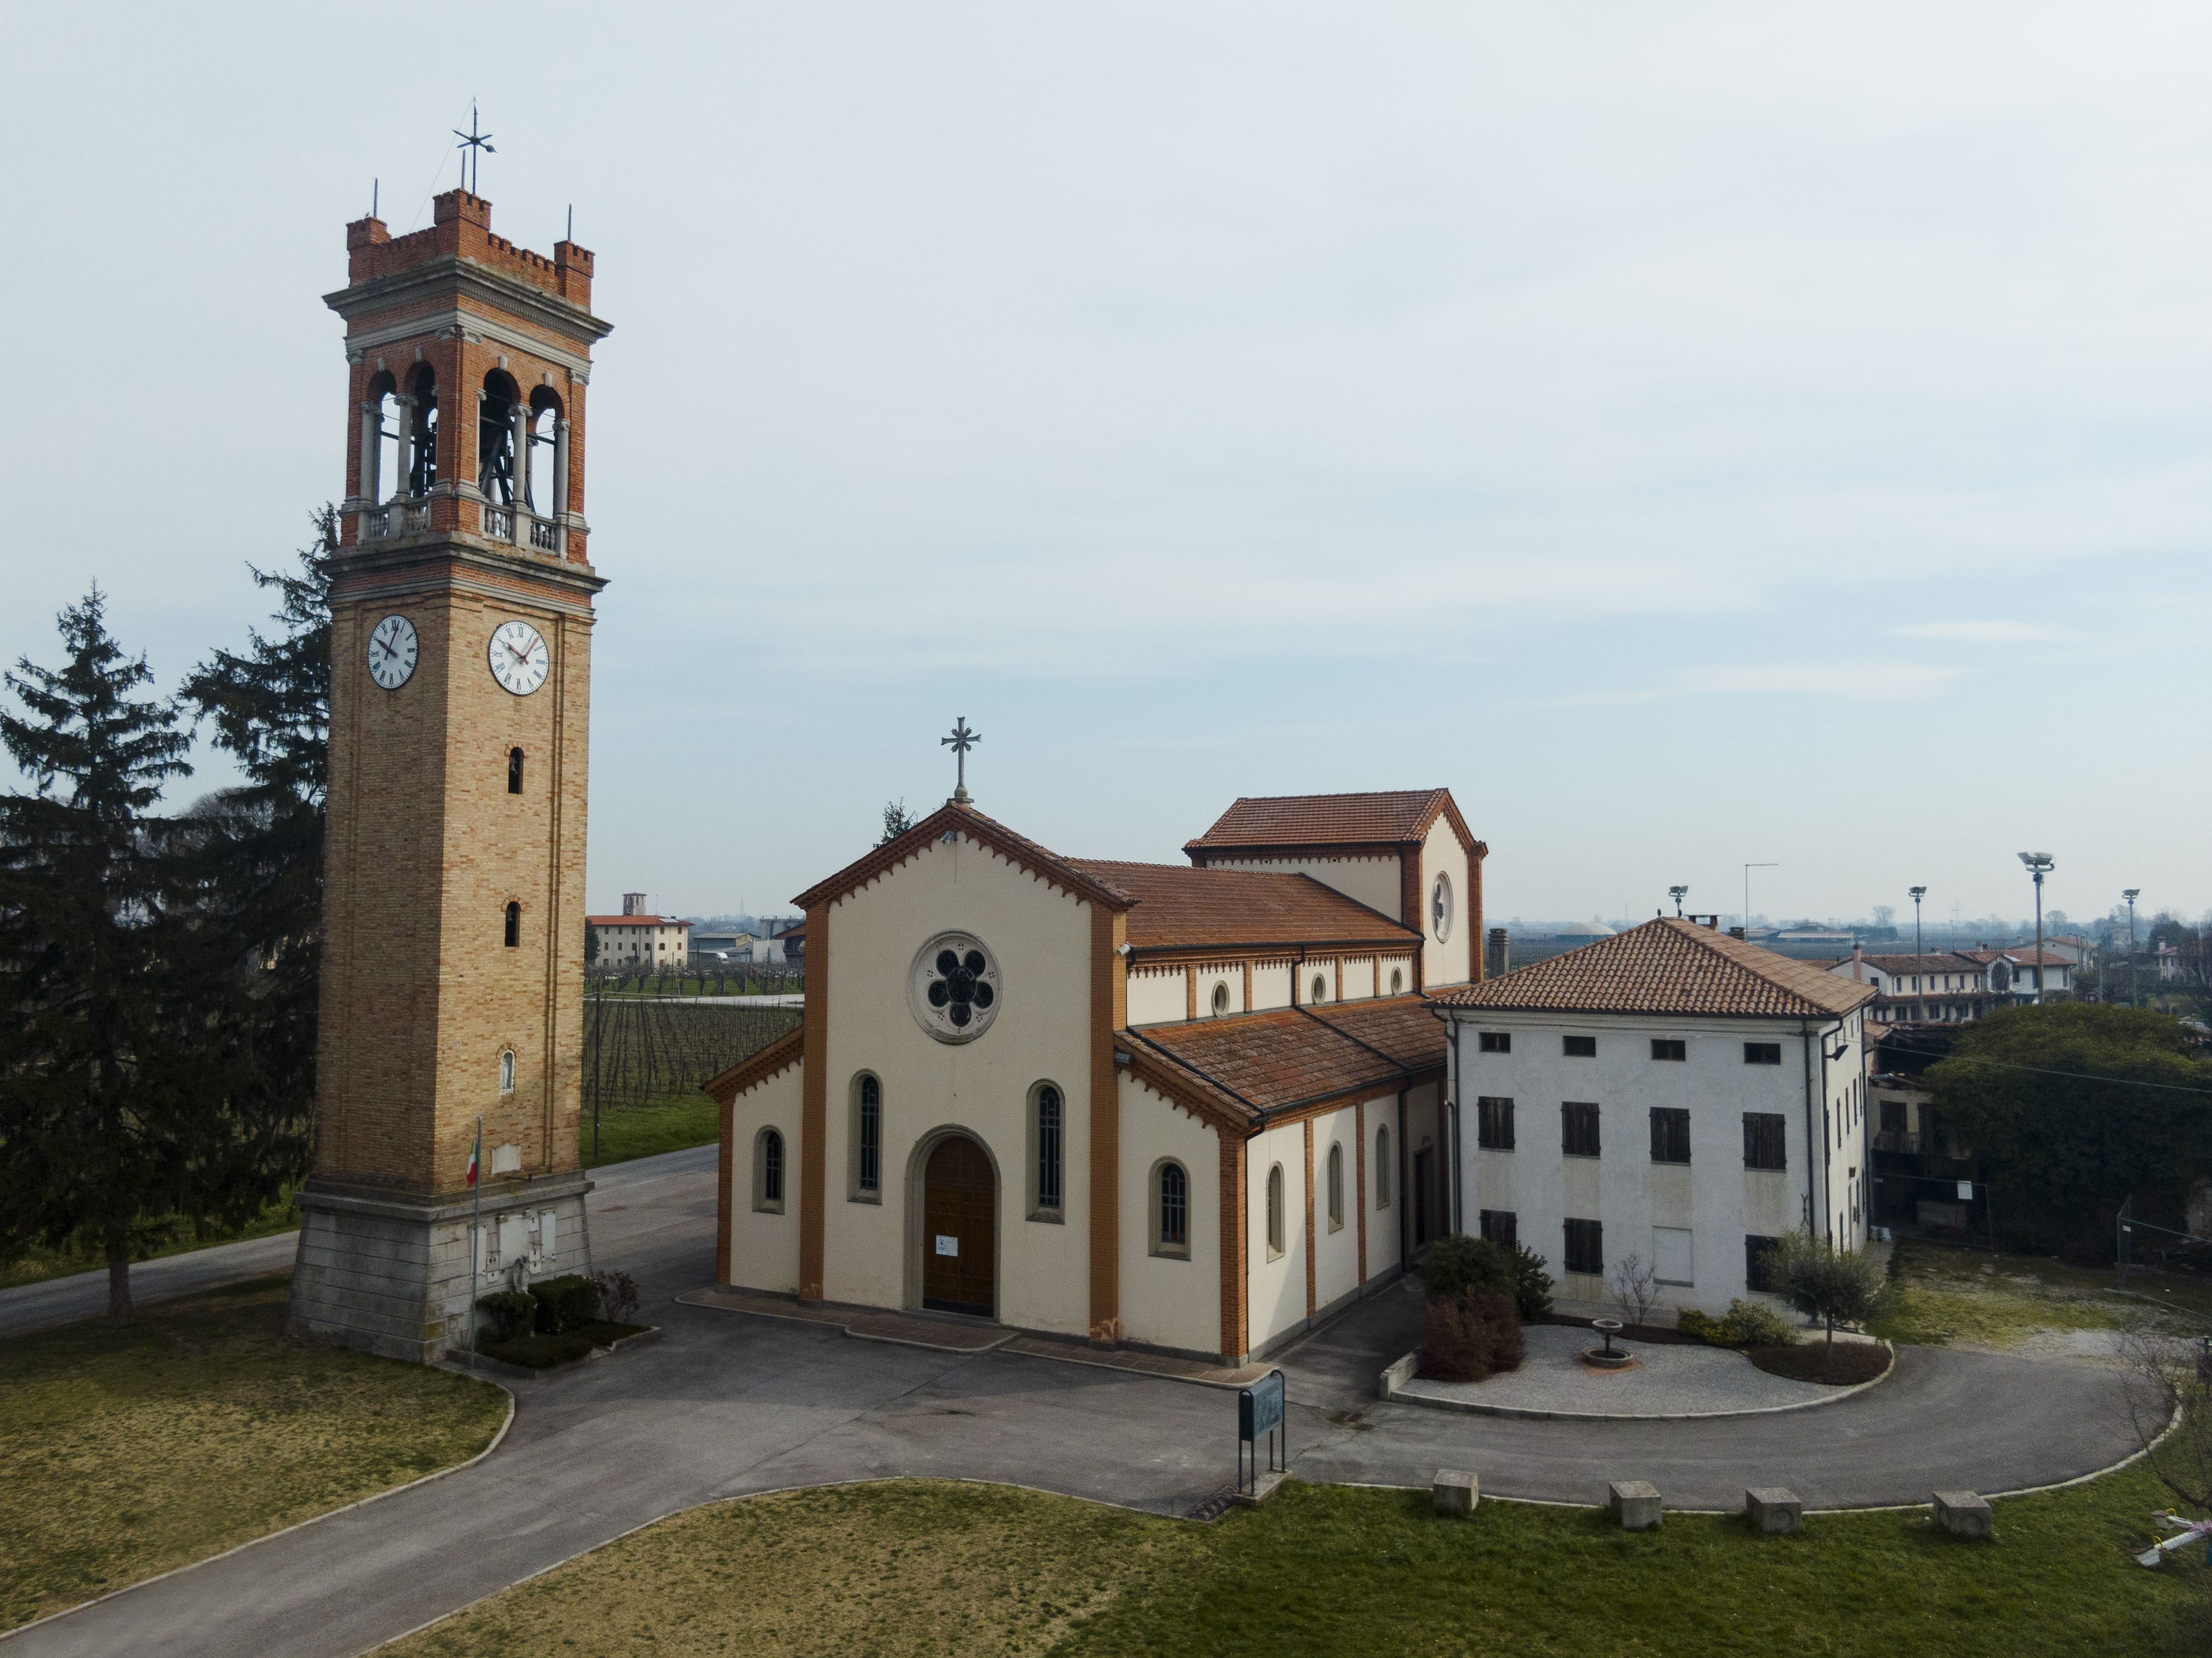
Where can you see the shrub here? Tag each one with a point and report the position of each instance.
(565, 1303)
(1532, 1285)
(617, 1293)
(1837, 1286)
(1702, 1327)
(1750, 1324)
(1457, 1264)
(1471, 1337)
(510, 1312)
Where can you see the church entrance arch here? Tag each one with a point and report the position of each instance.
(956, 1247)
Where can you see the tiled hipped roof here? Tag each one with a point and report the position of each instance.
(1179, 908)
(1668, 966)
(1264, 1062)
(1394, 817)
(637, 920)
(1933, 961)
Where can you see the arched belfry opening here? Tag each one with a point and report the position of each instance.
(421, 424)
(500, 413)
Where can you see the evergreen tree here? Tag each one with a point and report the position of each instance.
(897, 820)
(90, 1152)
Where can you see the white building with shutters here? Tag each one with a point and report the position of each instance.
(1671, 1093)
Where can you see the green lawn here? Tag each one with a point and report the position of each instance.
(923, 1567)
(1940, 1296)
(125, 1453)
(686, 1120)
(40, 1264)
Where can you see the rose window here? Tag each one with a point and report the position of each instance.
(954, 988)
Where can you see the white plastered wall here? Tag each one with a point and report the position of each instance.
(1336, 1252)
(1167, 1301)
(1159, 995)
(1041, 939)
(764, 1247)
(1277, 1292)
(1358, 978)
(1370, 881)
(1271, 985)
(1444, 962)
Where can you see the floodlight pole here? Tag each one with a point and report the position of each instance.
(1919, 947)
(2134, 992)
(2039, 864)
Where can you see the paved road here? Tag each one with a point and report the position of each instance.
(728, 1404)
(663, 1193)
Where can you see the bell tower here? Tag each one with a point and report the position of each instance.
(454, 866)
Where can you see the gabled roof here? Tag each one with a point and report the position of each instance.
(1264, 1062)
(755, 1069)
(1668, 966)
(1398, 818)
(1024, 853)
(1934, 962)
(1179, 908)
(2025, 955)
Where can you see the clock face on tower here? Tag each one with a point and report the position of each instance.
(392, 651)
(518, 657)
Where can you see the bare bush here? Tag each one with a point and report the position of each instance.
(1635, 1288)
(2169, 1403)
(617, 1295)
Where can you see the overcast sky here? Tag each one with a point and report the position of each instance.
(1691, 433)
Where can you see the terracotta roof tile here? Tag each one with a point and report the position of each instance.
(1933, 961)
(637, 920)
(1289, 1057)
(984, 831)
(1179, 908)
(1392, 817)
(1668, 966)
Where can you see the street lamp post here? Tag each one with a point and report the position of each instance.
(1677, 894)
(1919, 949)
(2039, 864)
(2135, 992)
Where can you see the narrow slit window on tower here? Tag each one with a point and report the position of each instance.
(514, 925)
(506, 1072)
(514, 771)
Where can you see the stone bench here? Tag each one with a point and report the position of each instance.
(1773, 1510)
(1963, 1513)
(1455, 1491)
(1635, 1502)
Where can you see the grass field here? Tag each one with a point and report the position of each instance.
(125, 1453)
(1945, 1296)
(642, 1130)
(923, 1567)
(40, 1264)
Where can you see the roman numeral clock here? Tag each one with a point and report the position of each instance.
(461, 605)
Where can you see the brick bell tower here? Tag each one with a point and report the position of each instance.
(453, 869)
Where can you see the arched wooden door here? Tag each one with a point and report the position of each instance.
(959, 1230)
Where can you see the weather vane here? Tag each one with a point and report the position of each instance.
(476, 143)
(960, 742)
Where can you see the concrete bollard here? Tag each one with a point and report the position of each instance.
(1773, 1510)
(1963, 1514)
(1635, 1502)
(1455, 1491)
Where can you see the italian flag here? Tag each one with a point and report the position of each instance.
(475, 1152)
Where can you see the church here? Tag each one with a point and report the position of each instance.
(1190, 1109)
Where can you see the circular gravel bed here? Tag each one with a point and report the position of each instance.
(1668, 1381)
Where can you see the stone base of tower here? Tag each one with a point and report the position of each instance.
(392, 1275)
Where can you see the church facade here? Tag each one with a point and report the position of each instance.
(1186, 1108)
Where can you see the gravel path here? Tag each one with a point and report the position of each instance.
(1669, 1380)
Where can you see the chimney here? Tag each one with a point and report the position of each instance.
(1859, 963)
(1496, 957)
(1735, 932)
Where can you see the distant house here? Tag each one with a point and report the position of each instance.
(1944, 988)
(2017, 973)
(638, 939)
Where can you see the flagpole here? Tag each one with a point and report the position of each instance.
(475, 1236)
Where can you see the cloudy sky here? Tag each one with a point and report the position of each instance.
(1691, 433)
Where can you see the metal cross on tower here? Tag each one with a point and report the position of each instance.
(475, 144)
(960, 742)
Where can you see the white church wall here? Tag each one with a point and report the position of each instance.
(1166, 1300)
(1159, 995)
(1358, 978)
(764, 1244)
(1336, 1249)
(1394, 975)
(1370, 881)
(1041, 939)
(1277, 1301)
(1271, 985)
(1226, 977)
(1384, 1198)
(1444, 961)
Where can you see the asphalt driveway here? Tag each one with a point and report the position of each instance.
(728, 1404)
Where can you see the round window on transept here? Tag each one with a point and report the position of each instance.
(1440, 908)
(1220, 998)
(953, 987)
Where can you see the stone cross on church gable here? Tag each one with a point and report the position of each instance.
(960, 742)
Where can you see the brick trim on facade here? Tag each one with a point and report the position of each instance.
(1109, 1004)
(1312, 1265)
(1236, 1339)
(814, 1106)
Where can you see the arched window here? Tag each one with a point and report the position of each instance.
(867, 1139)
(383, 433)
(1397, 980)
(1275, 1231)
(1382, 1168)
(1220, 998)
(500, 417)
(541, 481)
(1170, 1210)
(514, 925)
(1320, 990)
(506, 1072)
(422, 448)
(514, 771)
(1048, 1136)
(768, 1171)
(1336, 1187)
